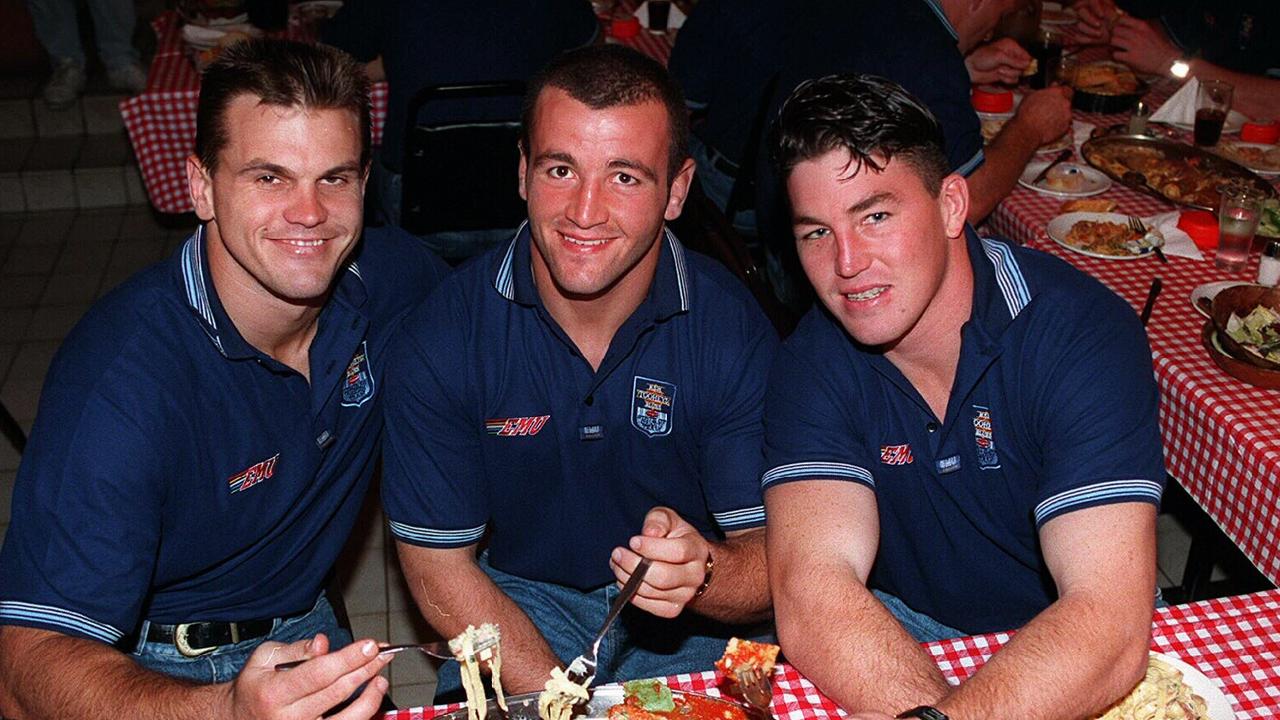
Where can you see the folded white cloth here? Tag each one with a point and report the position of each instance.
(674, 20)
(1180, 108)
(1176, 242)
(1080, 133)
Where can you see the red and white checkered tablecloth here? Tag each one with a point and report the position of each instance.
(1221, 435)
(162, 120)
(1233, 641)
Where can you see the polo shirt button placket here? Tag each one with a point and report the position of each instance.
(932, 427)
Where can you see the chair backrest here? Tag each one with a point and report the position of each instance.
(461, 176)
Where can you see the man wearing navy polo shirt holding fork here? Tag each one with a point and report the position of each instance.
(587, 394)
(208, 432)
(961, 439)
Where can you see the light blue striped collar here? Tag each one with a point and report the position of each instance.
(1000, 290)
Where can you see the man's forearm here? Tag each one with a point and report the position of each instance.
(739, 589)
(848, 644)
(44, 674)
(1257, 96)
(1072, 660)
(1004, 160)
(461, 594)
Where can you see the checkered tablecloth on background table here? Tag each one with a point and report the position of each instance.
(1221, 435)
(162, 120)
(1233, 641)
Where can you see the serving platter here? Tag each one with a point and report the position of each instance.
(525, 706)
(1190, 159)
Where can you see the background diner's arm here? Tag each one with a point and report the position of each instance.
(1043, 116)
(452, 591)
(1088, 648)
(45, 674)
(822, 540)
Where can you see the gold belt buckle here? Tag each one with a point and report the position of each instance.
(184, 647)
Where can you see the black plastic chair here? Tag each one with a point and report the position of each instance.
(461, 176)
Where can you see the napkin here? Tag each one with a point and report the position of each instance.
(1180, 108)
(1080, 133)
(674, 20)
(1176, 242)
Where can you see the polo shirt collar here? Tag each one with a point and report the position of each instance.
(202, 298)
(1000, 290)
(936, 7)
(668, 295)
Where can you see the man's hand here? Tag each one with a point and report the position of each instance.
(1002, 61)
(1046, 112)
(679, 555)
(1095, 20)
(312, 688)
(1143, 46)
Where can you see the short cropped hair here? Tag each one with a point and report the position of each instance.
(284, 73)
(607, 76)
(874, 119)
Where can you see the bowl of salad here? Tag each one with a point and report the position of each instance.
(1247, 320)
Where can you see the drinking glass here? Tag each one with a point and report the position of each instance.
(1213, 102)
(1047, 50)
(1238, 215)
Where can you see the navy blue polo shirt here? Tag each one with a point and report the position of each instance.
(1054, 409)
(175, 473)
(496, 423)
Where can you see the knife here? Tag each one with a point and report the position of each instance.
(1057, 159)
(1156, 284)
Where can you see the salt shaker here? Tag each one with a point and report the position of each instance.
(1269, 265)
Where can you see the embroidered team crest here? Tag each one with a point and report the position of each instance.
(246, 479)
(516, 426)
(651, 404)
(896, 454)
(357, 386)
(988, 459)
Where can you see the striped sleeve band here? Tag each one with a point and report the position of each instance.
(1103, 493)
(740, 519)
(817, 471)
(437, 538)
(13, 612)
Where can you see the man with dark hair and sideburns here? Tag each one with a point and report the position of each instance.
(207, 433)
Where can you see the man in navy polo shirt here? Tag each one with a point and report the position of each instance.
(208, 431)
(961, 439)
(585, 395)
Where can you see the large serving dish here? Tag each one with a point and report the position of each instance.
(1176, 172)
(1237, 369)
(525, 706)
(1106, 87)
(1241, 300)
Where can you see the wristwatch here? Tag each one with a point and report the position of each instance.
(1180, 67)
(926, 712)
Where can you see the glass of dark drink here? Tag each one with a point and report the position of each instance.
(1047, 51)
(659, 12)
(1213, 102)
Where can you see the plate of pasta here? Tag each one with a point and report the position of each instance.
(1172, 689)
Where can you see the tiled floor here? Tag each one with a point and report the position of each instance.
(53, 265)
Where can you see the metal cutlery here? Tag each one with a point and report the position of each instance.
(756, 688)
(582, 671)
(1156, 284)
(438, 649)
(1136, 225)
(1065, 154)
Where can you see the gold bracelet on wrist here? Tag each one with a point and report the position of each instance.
(706, 577)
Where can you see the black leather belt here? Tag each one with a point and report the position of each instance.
(197, 638)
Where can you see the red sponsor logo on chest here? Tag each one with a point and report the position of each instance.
(896, 454)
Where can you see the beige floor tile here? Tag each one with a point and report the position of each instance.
(9, 457)
(53, 322)
(72, 288)
(411, 668)
(22, 290)
(371, 625)
(31, 259)
(13, 324)
(22, 398)
(363, 580)
(6, 495)
(411, 696)
(32, 361)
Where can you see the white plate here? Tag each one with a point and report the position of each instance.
(1219, 707)
(1061, 225)
(1209, 291)
(1094, 181)
(1271, 169)
(1235, 121)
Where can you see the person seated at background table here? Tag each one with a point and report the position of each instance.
(584, 396)
(442, 42)
(960, 439)
(1237, 41)
(208, 431)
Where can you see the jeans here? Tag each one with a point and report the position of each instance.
(718, 185)
(639, 645)
(225, 663)
(921, 627)
(59, 33)
(452, 246)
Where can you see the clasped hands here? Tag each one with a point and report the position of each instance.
(679, 555)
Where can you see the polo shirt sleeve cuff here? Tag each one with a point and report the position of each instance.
(48, 617)
(817, 471)
(740, 519)
(434, 538)
(972, 164)
(1103, 493)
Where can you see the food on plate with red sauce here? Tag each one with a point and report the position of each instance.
(653, 700)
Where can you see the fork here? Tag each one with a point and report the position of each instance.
(583, 668)
(756, 687)
(434, 649)
(1136, 225)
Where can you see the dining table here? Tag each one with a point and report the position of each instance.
(1221, 435)
(1232, 641)
(161, 120)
